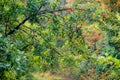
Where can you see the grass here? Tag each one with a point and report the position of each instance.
(47, 76)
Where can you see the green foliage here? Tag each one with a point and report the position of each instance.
(42, 35)
(13, 61)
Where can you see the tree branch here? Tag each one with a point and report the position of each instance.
(52, 11)
(17, 27)
(39, 13)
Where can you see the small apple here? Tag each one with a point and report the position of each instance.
(78, 26)
(35, 35)
(69, 10)
(55, 14)
(103, 15)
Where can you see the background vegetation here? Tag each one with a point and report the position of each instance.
(79, 41)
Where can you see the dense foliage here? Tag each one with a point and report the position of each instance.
(46, 35)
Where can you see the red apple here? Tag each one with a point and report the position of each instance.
(103, 15)
(55, 14)
(69, 10)
(35, 35)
